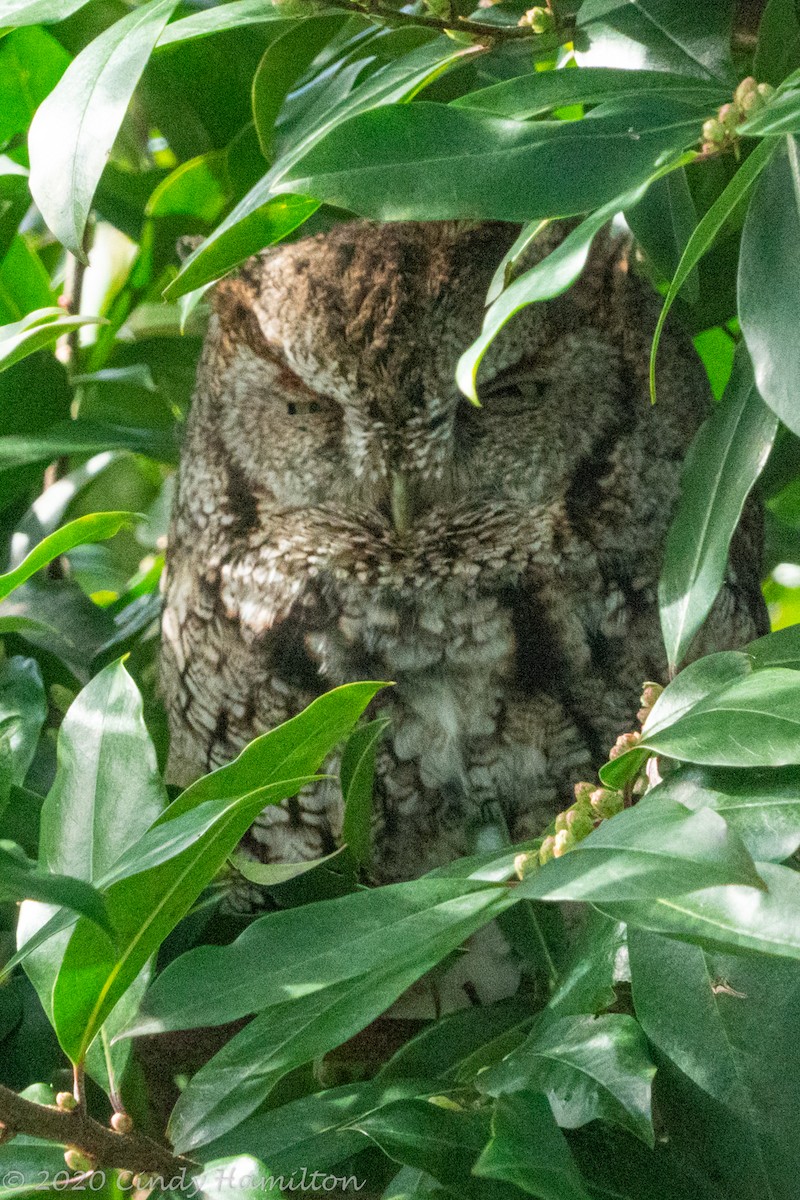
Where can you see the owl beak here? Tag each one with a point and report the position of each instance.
(400, 502)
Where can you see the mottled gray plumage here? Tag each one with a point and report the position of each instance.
(344, 513)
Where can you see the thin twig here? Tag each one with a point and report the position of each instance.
(125, 1151)
(479, 29)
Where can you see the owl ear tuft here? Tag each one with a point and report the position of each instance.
(233, 301)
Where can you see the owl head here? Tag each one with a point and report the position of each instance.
(335, 370)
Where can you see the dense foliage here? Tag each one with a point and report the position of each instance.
(652, 1052)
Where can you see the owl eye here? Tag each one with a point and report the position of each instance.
(302, 408)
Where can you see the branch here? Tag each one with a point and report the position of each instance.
(125, 1151)
(480, 29)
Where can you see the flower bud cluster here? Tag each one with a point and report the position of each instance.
(592, 805)
(721, 132)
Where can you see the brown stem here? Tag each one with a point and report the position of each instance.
(480, 29)
(125, 1151)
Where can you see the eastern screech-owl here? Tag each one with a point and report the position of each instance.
(344, 513)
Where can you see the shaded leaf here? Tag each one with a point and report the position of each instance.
(528, 1150)
(21, 880)
(35, 331)
(724, 461)
(95, 527)
(589, 1068)
(769, 283)
(234, 15)
(358, 777)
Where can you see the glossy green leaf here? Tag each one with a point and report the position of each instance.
(779, 649)
(199, 188)
(706, 233)
(729, 1024)
(762, 805)
(107, 791)
(35, 331)
(21, 880)
(753, 723)
(769, 283)
(548, 278)
(274, 874)
(86, 437)
(541, 91)
(662, 222)
(144, 906)
(234, 15)
(725, 459)
(529, 1151)
(589, 1067)
(297, 747)
(314, 1131)
(260, 218)
(284, 61)
(37, 12)
(285, 954)
(727, 919)
(652, 849)
(358, 779)
(781, 114)
(664, 34)
(232, 1085)
(376, 164)
(14, 202)
(95, 527)
(440, 1141)
(23, 709)
(31, 64)
(239, 1178)
(74, 129)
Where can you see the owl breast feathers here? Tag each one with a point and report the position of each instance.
(344, 513)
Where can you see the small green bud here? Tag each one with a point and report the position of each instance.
(748, 87)
(583, 791)
(580, 822)
(77, 1160)
(625, 742)
(728, 117)
(713, 133)
(547, 850)
(765, 90)
(606, 803)
(67, 1101)
(121, 1122)
(564, 841)
(541, 20)
(525, 864)
(561, 821)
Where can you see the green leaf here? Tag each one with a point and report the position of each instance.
(232, 1085)
(262, 226)
(31, 64)
(272, 874)
(725, 459)
(769, 284)
(438, 1140)
(705, 234)
(729, 1024)
(286, 954)
(781, 114)
(20, 880)
(779, 649)
(652, 849)
(528, 1150)
(14, 199)
(23, 709)
(87, 437)
(541, 91)
(376, 164)
(284, 61)
(74, 129)
(762, 805)
(106, 793)
(260, 219)
(235, 15)
(358, 779)
(662, 223)
(37, 12)
(198, 188)
(589, 1067)
(730, 918)
(314, 1131)
(145, 905)
(239, 1178)
(95, 527)
(665, 34)
(754, 722)
(778, 49)
(550, 277)
(35, 331)
(297, 747)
